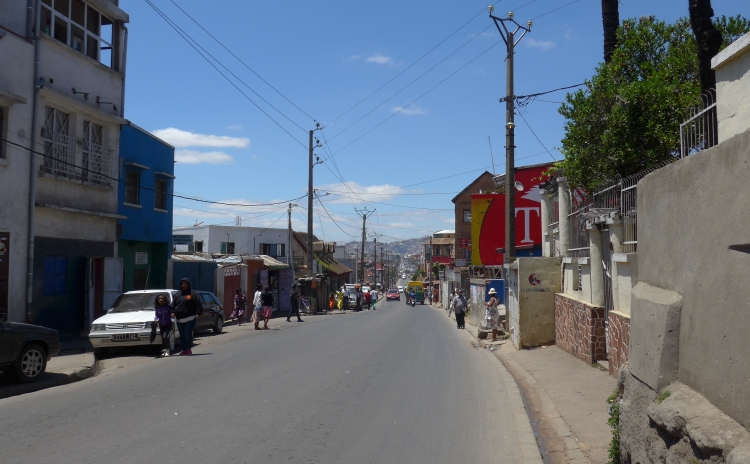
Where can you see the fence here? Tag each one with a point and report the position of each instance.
(579, 237)
(554, 223)
(700, 130)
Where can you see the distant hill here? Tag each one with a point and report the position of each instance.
(399, 247)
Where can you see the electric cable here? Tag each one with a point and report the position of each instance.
(243, 63)
(186, 36)
(535, 136)
(173, 195)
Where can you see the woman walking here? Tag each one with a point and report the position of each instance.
(240, 301)
(163, 317)
(492, 317)
(257, 306)
(187, 307)
(267, 300)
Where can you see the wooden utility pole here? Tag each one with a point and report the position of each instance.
(363, 213)
(310, 199)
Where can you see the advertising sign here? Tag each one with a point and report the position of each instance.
(286, 278)
(182, 239)
(141, 257)
(463, 242)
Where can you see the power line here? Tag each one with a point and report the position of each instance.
(535, 136)
(173, 195)
(185, 37)
(552, 11)
(331, 217)
(243, 63)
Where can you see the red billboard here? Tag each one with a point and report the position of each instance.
(463, 242)
(488, 219)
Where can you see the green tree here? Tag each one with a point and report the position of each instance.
(628, 116)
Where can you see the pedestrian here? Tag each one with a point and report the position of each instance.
(492, 317)
(340, 299)
(294, 297)
(267, 300)
(374, 297)
(459, 307)
(450, 302)
(187, 307)
(368, 299)
(332, 302)
(163, 318)
(358, 299)
(345, 301)
(240, 301)
(257, 306)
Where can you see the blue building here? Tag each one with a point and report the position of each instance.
(145, 198)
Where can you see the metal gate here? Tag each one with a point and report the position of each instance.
(607, 278)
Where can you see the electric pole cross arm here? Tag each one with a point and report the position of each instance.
(509, 28)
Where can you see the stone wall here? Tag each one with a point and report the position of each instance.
(618, 341)
(579, 329)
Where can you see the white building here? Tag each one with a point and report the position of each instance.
(235, 240)
(68, 109)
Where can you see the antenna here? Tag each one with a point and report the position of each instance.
(491, 155)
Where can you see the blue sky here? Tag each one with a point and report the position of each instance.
(326, 56)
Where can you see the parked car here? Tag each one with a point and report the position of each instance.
(25, 349)
(128, 321)
(393, 294)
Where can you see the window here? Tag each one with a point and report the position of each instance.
(199, 247)
(227, 248)
(132, 187)
(80, 27)
(3, 135)
(467, 215)
(95, 161)
(160, 194)
(273, 250)
(55, 275)
(59, 147)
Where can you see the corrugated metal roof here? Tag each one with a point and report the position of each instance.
(441, 241)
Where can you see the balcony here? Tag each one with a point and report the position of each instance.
(77, 161)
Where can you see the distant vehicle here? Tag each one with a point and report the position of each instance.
(25, 349)
(401, 288)
(418, 289)
(403, 276)
(393, 294)
(128, 321)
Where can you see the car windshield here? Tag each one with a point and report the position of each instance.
(393, 290)
(134, 302)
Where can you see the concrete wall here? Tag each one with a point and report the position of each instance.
(246, 240)
(531, 309)
(14, 168)
(694, 258)
(732, 67)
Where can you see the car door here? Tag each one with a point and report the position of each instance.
(218, 308)
(205, 320)
(7, 343)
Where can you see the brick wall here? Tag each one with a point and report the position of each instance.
(579, 329)
(618, 341)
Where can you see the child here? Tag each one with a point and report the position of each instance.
(163, 317)
(332, 302)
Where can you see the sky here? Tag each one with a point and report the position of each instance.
(406, 93)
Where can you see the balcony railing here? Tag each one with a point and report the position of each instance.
(64, 159)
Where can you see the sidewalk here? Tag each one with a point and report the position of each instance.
(61, 370)
(565, 399)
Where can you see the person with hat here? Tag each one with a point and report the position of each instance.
(492, 317)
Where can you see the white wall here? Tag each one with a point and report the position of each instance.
(246, 240)
(732, 67)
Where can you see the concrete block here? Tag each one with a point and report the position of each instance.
(655, 335)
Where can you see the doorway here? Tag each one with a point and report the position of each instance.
(139, 279)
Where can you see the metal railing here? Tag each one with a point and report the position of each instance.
(61, 160)
(700, 130)
(579, 236)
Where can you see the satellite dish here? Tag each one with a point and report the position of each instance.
(519, 186)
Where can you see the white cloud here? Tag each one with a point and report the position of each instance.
(200, 157)
(401, 225)
(180, 138)
(341, 194)
(355, 57)
(410, 110)
(540, 44)
(379, 59)
(235, 127)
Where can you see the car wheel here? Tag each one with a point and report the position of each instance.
(31, 363)
(218, 325)
(101, 352)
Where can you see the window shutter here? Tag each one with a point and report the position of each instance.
(61, 275)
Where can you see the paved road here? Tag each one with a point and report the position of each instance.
(396, 385)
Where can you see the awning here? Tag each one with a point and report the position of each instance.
(273, 263)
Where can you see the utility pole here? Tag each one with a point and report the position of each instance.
(375, 261)
(310, 200)
(290, 253)
(432, 260)
(382, 268)
(509, 37)
(356, 268)
(363, 213)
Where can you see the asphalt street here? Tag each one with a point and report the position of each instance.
(395, 385)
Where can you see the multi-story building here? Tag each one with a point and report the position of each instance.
(145, 198)
(442, 247)
(236, 240)
(61, 98)
(462, 205)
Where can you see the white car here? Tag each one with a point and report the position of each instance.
(128, 321)
(401, 288)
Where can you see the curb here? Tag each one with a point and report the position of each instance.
(555, 441)
(55, 381)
